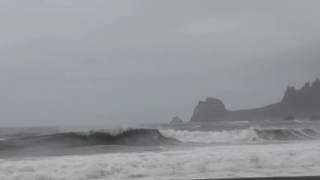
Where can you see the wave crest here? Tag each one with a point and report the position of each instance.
(135, 137)
(240, 135)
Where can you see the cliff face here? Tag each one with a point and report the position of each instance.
(306, 98)
(301, 103)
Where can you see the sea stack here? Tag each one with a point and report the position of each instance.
(176, 120)
(211, 108)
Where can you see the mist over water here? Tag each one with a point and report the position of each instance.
(88, 88)
(108, 63)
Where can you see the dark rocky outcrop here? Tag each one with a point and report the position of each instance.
(209, 109)
(176, 120)
(301, 103)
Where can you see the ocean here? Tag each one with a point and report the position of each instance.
(188, 151)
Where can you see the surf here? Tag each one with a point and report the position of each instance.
(63, 142)
(247, 135)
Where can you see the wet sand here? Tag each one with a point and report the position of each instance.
(274, 178)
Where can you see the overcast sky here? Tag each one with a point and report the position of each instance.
(96, 62)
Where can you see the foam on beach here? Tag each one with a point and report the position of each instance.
(291, 159)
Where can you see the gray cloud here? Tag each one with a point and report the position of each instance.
(114, 62)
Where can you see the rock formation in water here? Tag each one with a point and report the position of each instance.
(301, 103)
(176, 120)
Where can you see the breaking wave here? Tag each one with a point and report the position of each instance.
(241, 135)
(64, 143)
(131, 137)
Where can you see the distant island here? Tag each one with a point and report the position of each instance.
(301, 103)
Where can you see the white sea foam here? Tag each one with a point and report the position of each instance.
(301, 158)
(240, 135)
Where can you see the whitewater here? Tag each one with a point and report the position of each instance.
(242, 152)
